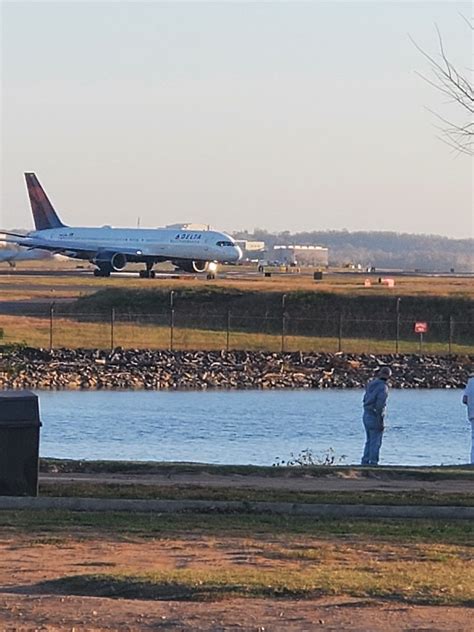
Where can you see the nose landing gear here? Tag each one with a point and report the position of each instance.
(211, 270)
(101, 272)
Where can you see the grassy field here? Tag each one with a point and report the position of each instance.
(416, 562)
(71, 333)
(53, 523)
(142, 331)
(20, 286)
(145, 480)
(208, 557)
(189, 492)
(454, 485)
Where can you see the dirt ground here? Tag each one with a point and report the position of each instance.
(54, 614)
(31, 558)
(26, 603)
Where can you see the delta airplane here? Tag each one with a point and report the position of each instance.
(14, 255)
(110, 249)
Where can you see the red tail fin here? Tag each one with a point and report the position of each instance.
(43, 212)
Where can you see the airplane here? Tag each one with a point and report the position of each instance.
(13, 255)
(110, 249)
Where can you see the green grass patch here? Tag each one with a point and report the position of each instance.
(189, 492)
(150, 525)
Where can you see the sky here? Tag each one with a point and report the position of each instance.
(278, 115)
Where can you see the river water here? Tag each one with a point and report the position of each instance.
(249, 427)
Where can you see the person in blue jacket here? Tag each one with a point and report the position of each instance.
(374, 402)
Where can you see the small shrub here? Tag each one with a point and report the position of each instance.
(306, 458)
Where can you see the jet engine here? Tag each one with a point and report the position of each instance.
(191, 266)
(110, 261)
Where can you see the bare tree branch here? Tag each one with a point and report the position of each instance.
(448, 80)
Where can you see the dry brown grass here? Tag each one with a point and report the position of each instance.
(18, 285)
(210, 557)
(35, 332)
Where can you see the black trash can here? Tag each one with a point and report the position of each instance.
(318, 275)
(19, 443)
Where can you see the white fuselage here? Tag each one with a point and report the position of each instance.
(162, 243)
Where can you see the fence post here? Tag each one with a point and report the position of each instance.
(51, 318)
(339, 346)
(397, 339)
(227, 342)
(112, 327)
(283, 322)
(451, 332)
(171, 319)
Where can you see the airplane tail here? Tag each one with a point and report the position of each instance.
(43, 212)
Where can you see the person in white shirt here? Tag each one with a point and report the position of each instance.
(468, 399)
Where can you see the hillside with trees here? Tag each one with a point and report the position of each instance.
(380, 249)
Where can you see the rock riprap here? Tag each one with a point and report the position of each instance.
(172, 370)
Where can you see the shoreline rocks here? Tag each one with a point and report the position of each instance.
(126, 369)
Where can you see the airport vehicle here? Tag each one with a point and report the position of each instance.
(110, 249)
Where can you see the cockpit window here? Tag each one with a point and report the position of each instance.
(224, 243)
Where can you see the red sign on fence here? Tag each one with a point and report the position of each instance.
(421, 328)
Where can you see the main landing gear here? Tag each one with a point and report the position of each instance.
(100, 272)
(148, 273)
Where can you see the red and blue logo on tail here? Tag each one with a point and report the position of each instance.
(43, 212)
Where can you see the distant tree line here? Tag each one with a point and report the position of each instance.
(380, 249)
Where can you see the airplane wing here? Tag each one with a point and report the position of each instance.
(10, 234)
(68, 246)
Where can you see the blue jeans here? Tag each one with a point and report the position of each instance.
(373, 424)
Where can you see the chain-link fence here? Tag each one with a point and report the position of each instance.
(180, 329)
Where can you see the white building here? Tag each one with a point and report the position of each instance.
(250, 247)
(316, 256)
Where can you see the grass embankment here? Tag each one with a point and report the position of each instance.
(423, 473)
(215, 556)
(71, 333)
(190, 492)
(141, 484)
(300, 304)
(219, 317)
(241, 278)
(312, 322)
